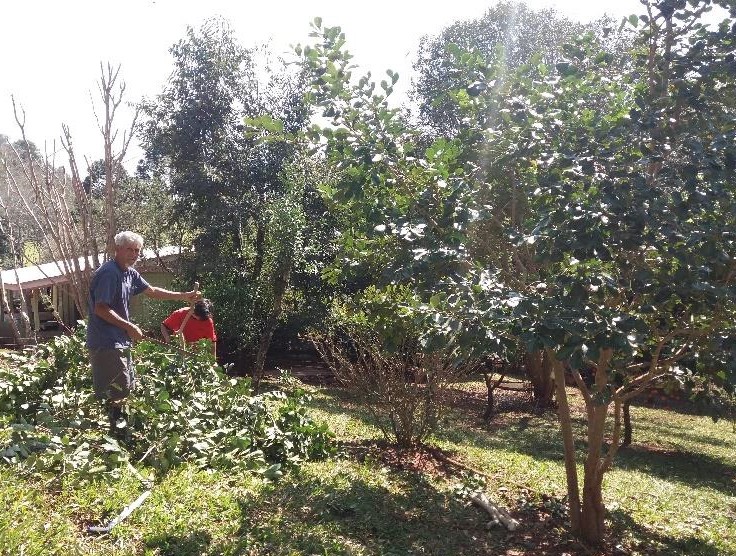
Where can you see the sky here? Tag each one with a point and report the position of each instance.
(52, 50)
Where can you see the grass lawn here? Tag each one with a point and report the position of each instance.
(672, 492)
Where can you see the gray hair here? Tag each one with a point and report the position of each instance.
(128, 238)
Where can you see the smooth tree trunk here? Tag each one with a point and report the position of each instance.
(563, 411)
(588, 518)
(592, 524)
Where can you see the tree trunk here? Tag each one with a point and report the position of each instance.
(491, 385)
(592, 526)
(489, 407)
(627, 423)
(563, 409)
(281, 282)
(539, 371)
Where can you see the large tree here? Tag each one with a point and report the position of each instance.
(636, 211)
(201, 139)
(466, 76)
(633, 212)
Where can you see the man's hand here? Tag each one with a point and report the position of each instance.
(192, 296)
(134, 332)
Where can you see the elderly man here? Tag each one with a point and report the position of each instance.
(110, 331)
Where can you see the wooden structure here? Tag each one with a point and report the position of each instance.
(46, 291)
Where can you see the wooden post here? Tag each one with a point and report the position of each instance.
(55, 299)
(35, 307)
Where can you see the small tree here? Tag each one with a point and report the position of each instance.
(57, 203)
(374, 350)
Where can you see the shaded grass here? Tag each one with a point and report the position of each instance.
(672, 492)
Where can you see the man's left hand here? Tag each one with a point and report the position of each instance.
(193, 296)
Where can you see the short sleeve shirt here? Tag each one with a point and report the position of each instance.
(113, 287)
(195, 329)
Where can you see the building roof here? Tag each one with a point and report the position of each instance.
(53, 273)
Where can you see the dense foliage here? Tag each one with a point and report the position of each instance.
(229, 187)
(612, 181)
(184, 409)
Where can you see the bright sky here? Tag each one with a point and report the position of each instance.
(52, 49)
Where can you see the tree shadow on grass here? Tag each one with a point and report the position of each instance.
(191, 544)
(539, 437)
(342, 402)
(685, 467)
(544, 443)
(653, 543)
(341, 515)
(679, 432)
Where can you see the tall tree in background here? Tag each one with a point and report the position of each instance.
(509, 33)
(225, 180)
(15, 245)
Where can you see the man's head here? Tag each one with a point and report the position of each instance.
(203, 309)
(128, 247)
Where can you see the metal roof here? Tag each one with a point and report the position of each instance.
(53, 273)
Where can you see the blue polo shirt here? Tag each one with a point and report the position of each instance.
(113, 287)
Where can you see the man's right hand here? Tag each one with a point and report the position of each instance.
(134, 332)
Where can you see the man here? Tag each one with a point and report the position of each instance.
(110, 331)
(199, 326)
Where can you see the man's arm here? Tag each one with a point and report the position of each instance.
(104, 311)
(160, 293)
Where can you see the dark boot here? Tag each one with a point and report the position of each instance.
(118, 421)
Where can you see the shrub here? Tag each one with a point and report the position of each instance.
(375, 351)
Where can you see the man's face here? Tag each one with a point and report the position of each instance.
(127, 255)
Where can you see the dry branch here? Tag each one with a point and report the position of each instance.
(499, 514)
(57, 203)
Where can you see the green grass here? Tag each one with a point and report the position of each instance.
(672, 492)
